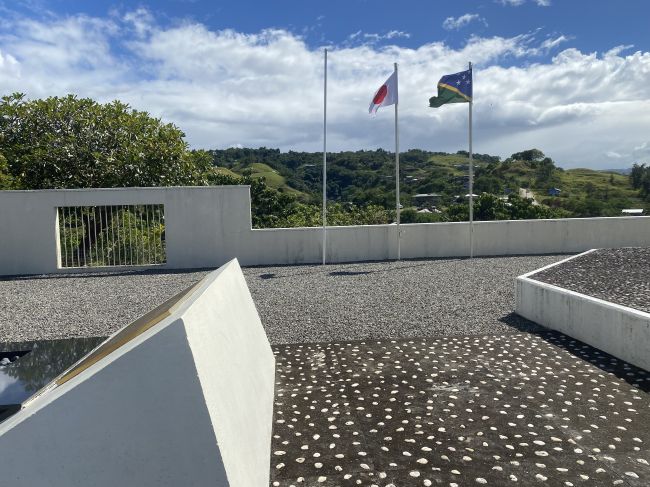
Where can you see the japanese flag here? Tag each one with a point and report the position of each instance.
(386, 94)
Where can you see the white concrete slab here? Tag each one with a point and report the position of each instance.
(186, 400)
(618, 330)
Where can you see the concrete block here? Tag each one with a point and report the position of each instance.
(618, 330)
(181, 397)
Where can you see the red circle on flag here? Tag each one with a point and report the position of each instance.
(381, 94)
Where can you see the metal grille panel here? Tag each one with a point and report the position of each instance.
(116, 235)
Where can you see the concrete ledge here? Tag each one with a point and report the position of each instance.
(183, 396)
(618, 330)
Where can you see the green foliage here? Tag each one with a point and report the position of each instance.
(410, 215)
(530, 155)
(488, 184)
(275, 209)
(78, 143)
(490, 207)
(640, 179)
(133, 236)
(70, 143)
(6, 180)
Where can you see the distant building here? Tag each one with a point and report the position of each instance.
(554, 192)
(425, 200)
(632, 211)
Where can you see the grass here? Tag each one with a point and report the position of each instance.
(273, 178)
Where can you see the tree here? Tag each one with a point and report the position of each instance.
(530, 155)
(488, 184)
(637, 175)
(640, 179)
(6, 181)
(70, 142)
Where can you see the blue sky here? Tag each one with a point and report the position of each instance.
(569, 77)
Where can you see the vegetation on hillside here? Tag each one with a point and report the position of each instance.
(367, 178)
(71, 143)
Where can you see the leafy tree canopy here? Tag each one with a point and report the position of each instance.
(528, 155)
(72, 142)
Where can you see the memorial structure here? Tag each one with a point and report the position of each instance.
(181, 396)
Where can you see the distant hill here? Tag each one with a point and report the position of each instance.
(368, 177)
(625, 171)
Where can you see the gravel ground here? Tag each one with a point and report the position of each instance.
(82, 305)
(620, 276)
(417, 298)
(296, 303)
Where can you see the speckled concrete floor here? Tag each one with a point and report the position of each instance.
(517, 409)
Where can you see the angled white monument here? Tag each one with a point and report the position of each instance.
(181, 397)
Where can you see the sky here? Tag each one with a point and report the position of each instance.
(570, 77)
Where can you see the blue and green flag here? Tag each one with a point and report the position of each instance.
(453, 88)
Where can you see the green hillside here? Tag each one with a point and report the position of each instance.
(366, 178)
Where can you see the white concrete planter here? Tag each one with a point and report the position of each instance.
(618, 330)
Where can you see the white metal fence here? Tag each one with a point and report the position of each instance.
(115, 235)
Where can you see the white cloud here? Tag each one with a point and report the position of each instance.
(517, 3)
(141, 19)
(551, 43)
(372, 38)
(225, 88)
(455, 23)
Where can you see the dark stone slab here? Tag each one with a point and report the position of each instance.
(621, 276)
(37, 364)
(512, 409)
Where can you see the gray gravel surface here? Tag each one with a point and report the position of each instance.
(296, 303)
(620, 276)
(390, 299)
(63, 306)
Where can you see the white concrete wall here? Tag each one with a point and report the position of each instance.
(189, 402)
(618, 330)
(203, 225)
(207, 226)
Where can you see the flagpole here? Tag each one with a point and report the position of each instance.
(325, 159)
(471, 175)
(397, 203)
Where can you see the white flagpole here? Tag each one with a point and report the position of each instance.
(471, 177)
(397, 203)
(325, 160)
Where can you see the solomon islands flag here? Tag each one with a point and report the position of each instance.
(453, 88)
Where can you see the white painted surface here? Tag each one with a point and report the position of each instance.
(618, 330)
(208, 226)
(203, 225)
(187, 403)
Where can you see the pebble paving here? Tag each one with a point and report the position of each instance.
(516, 409)
(620, 276)
(412, 373)
(307, 303)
